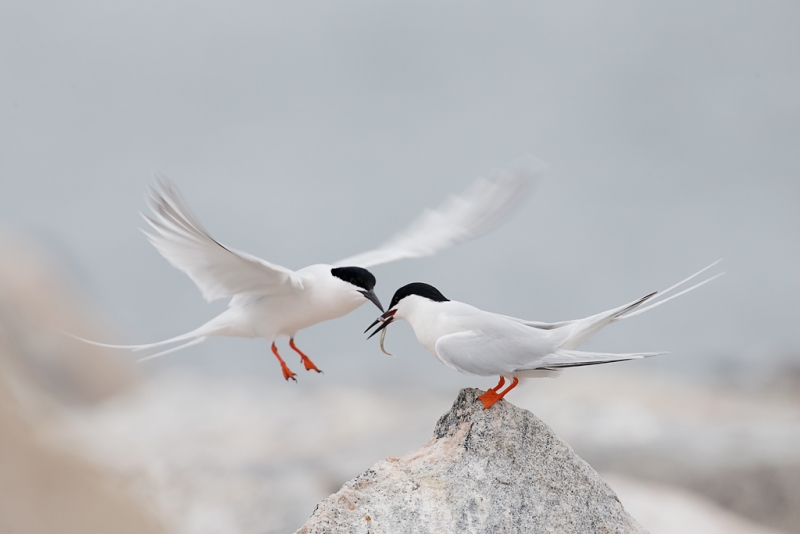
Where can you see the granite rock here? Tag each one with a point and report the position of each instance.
(492, 471)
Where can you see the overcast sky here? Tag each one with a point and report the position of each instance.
(303, 132)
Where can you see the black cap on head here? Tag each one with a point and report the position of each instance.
(355, 275)
(417, 288)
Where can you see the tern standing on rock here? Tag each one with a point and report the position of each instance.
(271, 301)
(477, 342)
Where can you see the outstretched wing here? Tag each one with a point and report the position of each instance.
(218, 271)
(484, 205)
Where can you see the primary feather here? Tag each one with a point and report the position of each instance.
(476, 211)
(218, 271)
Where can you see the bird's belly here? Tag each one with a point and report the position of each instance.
(279, 316)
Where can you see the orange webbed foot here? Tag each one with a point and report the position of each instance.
(493, 395)
(287, 373)
(307, 363)
(489, 398)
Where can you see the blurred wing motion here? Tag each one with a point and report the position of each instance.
(482, 207)
(217, 270)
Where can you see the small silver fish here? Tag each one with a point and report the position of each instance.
(383, 336)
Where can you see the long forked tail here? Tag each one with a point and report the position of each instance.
(583, 329)
(658, 301)
(195, 337)
(561, 359)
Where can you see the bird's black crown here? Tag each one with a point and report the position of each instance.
(417, 288)
(355, 275)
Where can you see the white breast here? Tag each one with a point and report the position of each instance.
(432, 320)
(323, 297)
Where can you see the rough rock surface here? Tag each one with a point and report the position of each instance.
(496, 471)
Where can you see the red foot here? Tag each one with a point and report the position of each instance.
(309, 365)
(287, 373)
(489, 398)
(493, 395)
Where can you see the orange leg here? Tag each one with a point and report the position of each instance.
(499, 384)
(303, 358)
(287, 373)
(493, 395)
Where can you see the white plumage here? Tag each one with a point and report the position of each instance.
(477, 342)
(271, 301)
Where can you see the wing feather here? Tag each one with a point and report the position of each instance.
(496, 347)
(473, 353)
(218, 271)
(479, 209)
(562, 359)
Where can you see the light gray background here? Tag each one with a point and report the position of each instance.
(306, 131)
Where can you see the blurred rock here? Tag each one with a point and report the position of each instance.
(664, 509)
(41, 364)
(45, 489)
(497, 470)
(242, 454)
(738, 449)
(255, 454)
(247, 455)
(769, 494)
(44, 486)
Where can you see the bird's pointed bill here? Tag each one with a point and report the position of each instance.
(376, 321)
(380, 319)
(386, 319)
(372, 297)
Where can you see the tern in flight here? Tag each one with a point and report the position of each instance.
(270, 301)
(477, 342)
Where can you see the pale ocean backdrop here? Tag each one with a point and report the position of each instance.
(307, 132)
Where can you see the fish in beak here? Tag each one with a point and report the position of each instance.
(386, 319)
